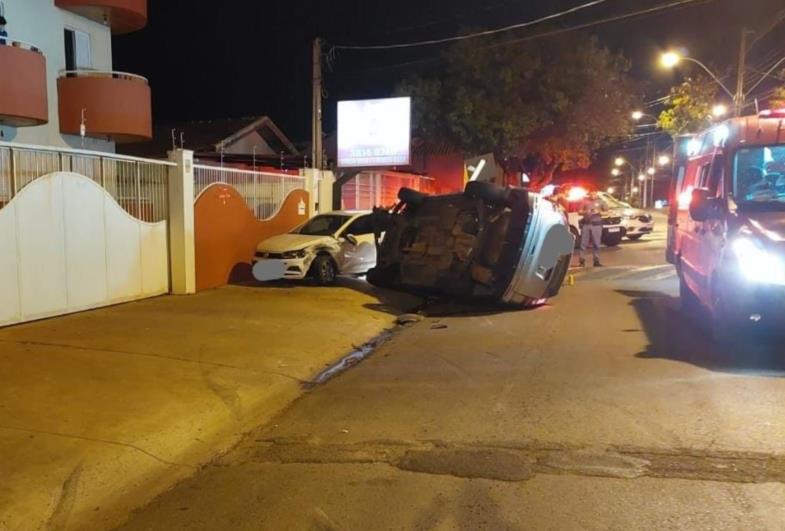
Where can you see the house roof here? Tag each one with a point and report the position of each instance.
(207, 136)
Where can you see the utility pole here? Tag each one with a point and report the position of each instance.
(316, 130)
(739, 100)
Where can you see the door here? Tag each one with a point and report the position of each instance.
(688, 229)
(713, 231)
(356, 259)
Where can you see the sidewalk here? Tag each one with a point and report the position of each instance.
(103, 410)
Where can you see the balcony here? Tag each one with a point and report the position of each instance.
(116, 105)
(123, 16)
(23, 98)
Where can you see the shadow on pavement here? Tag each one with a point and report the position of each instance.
(673, 335)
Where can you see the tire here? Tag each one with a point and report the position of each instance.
(324, 270)
(381, 277)
(635, 237)
(487, 192)
(411, 197)
(612, 240)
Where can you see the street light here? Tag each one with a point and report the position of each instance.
(641, 177)
(611, 190)
(671, 59)
(652, 171)
(619, 161)
(615, 172)
(637, 115)
(719, 110)
(664, 160)
(635, 190)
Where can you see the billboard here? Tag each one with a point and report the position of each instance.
(374, 132)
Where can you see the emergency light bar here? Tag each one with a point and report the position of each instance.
(773, 113)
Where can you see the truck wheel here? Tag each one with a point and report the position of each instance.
(487, 192)
(324, 270)
(612, 240)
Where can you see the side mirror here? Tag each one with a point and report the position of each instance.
(703, 207)
(351, 238)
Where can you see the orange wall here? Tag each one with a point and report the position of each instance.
(227, 233)
(117, 108)
(23, 98)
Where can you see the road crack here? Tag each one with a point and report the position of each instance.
(521, 462)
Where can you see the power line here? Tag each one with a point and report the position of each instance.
(680, 4)
(473, 35)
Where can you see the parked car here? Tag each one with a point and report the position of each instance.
(499, 244)
(636, 222)
(328, 245)
(726, 233)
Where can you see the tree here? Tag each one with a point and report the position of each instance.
(689, 107)
(777, 101)
(551, 101)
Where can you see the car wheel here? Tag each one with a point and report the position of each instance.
(381, 277)
(612, 240)
(489, 192)
(411, 197)
(635, 237)
(323, 270)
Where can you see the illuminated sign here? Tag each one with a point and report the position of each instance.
(374, 132)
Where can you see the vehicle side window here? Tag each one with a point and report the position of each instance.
(710, 176)
(360, 226)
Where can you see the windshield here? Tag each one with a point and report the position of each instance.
(759, 177)
(611, 202)
(326, 225)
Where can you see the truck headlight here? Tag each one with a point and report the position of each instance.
(758, 265)
(293, 255)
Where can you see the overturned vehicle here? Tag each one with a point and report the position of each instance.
(500, 245)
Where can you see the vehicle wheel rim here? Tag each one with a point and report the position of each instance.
(327, 271)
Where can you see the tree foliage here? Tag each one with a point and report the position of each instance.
(550, 101)
(689, 106)
(777, 101)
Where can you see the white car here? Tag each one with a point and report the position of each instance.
(636, 222)
(328, 245)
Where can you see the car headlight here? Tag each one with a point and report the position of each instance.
(293, 255)
(757, 265)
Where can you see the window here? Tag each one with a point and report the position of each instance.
(360, 226)
(759, 176)
(325, 225)
(77, 50)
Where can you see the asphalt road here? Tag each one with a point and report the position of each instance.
(607, 409)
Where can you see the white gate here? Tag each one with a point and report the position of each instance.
(74, 241)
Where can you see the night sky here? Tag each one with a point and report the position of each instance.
(240, 58)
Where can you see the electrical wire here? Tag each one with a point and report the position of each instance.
(679, 4)
(472, 35)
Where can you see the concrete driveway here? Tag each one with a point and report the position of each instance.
(100, 411)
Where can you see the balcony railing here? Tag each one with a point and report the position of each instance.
(123, 16)
(23, 95)
(112, 105)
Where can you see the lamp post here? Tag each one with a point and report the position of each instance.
(672, 59)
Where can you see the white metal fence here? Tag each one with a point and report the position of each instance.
(264, 192)
(138, 185)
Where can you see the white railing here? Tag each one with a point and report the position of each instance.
(16, 43)
(264, 192)
(86, 72)
(140, 186)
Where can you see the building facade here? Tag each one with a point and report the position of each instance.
(59, 88)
